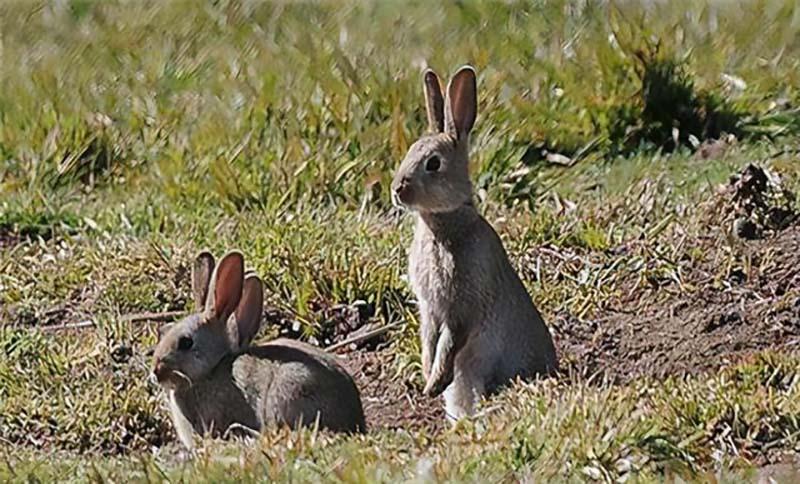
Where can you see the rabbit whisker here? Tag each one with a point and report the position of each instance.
(184, 376)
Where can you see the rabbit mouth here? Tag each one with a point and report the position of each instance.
(404, 198)
(397, 202)
(171, 379)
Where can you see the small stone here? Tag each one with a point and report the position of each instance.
(592, 473)
(737, 276)
(623, 465)
(121, 353)
(744, 228)
(559, 159)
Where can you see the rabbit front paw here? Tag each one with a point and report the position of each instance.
(436, 384)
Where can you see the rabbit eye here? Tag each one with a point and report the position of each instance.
(433, 163)
(185, 343)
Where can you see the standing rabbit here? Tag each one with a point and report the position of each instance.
(479, 328)
(218, 383)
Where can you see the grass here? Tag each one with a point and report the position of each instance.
(546, 430)
(132, 134)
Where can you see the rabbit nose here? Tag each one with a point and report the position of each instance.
(398, 192)
(159, 370)
(399, 186)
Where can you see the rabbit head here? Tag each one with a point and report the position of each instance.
(229, 307)
(434, 176)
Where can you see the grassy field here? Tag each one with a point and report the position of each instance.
(133, 134)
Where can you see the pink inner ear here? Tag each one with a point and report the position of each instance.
(228, 287)
(463, 99)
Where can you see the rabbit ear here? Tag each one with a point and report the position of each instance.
(434, 102)
(248, 313)
(461, 105)
(201, 277)
(225, 289)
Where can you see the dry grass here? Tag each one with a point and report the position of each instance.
(132, 134)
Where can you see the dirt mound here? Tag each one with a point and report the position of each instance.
(759, 202)
(730, 305)
(390, 401)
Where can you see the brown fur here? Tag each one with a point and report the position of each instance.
(220, 385)
(479, 327)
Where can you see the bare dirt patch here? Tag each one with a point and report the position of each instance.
(731, 304)
(391, 401)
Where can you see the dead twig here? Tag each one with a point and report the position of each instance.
(363, 337)
(130, 318)
(156, 317)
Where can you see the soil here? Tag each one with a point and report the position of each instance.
(391, 401)
(719, 314)
(662, 332)
(334, 323)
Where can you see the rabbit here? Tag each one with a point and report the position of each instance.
(218, 383)
(479, 328)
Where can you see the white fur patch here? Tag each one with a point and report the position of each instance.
(182, 425)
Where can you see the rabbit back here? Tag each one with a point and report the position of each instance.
(292, 383)
(282, 382)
